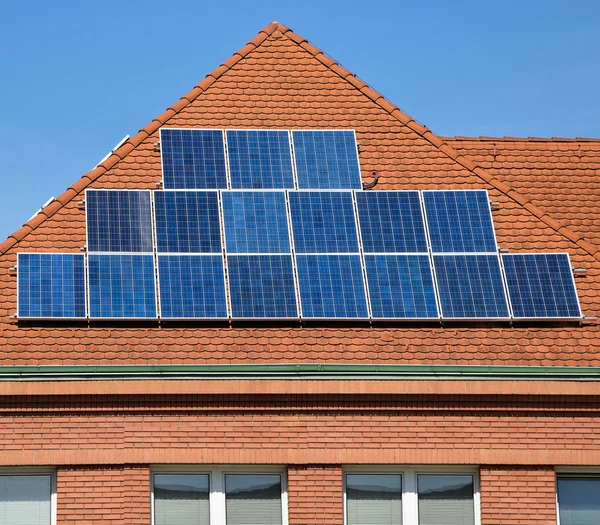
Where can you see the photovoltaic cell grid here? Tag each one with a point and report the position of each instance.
(187, 222)
(261, 286)
(51, 285)
(256, 222)
(121, 286)
(323, 222)
(391, 221)
(459, 221)
(331, 286)
(260, 159)
(401, 287)
(191, 286)
(119, 221)
(193, 159)
(541, 285)
(326, 159)
(470, 286)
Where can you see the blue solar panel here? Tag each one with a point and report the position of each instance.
(256, 222)
(401, 286)
(260, 159)
(470, 286)
(261, 286)
(187, 221)
(191, 286)
(121, 286)
(193, 159)
(331, 286)
(326, 159)
(118, 221)
(323, 222)
(51, 285)
(391, 221)
(541, 285)
(459, 221)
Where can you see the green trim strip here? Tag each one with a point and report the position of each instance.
(298, 371)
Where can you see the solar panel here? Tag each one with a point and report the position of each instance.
(326, 159)
(401, 287)
(323, 222)
(470, 286)
(191, 286)
(193, 159)
(459, 221)
(541, 285)
(391, 221)
(256, 222)
(331, 286)
(118, 221)
(187, 221)
(51, 285)
(261, 286)
(260, 159)
(121, 286)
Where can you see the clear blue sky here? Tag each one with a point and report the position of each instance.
(77, 76)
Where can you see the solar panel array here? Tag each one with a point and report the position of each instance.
(265, 224)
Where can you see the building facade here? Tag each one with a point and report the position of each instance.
(316, 422)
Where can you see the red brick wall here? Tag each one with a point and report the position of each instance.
(518, 496)
(315, 495)
(103, 495)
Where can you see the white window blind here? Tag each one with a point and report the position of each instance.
(579, 500)
(374, 499)
(253, 499)
(181, 499)
(445, 499)
(25, 500)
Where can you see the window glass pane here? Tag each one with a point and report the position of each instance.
(374, 499)
(181, 499)
(445, 500)
(25, 500)
(579, 501)
(253, 499)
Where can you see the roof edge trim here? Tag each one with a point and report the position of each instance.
(296, 371)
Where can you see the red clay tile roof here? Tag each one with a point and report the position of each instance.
(279, 80)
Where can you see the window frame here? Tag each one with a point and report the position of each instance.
(37, 471)
(572, 473)
(216, 483)
(410, 496)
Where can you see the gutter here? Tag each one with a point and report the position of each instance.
(297, 371)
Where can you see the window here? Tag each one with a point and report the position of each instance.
(411, 497)
(233, 496)
(27, 498)
(578, 498)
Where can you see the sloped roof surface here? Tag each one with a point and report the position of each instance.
(279, 80)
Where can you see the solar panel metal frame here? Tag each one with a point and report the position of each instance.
(427, 230)
(295, 165)
(154, 278)
(85, 279)
(227, 177)
(502, 278)
(227, 160)
(362, 269)
(188, 254)
(541, 318)
(152, 225)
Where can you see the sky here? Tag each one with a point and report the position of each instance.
(76, 77)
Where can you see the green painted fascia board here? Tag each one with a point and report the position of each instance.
(297, 371)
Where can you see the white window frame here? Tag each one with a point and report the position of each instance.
(410, 497)
(37, 471)
(216, 481)
(572, 472)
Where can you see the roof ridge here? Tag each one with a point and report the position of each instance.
(388, 106)
(484, 138)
